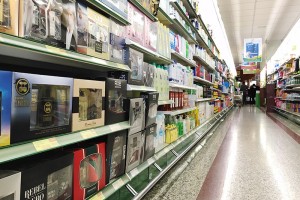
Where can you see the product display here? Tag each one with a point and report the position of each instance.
(134, 149)
(149, 141)
(151, 32)
(89, 171)
(135, 109)
(115, 155)
(136, 31)
(88, 108)
(10, 182)
(160, 135)
(134, 60)
(82, 27)
(151, 100)
(9, 16)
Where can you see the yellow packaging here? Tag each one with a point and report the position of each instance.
(9, 16)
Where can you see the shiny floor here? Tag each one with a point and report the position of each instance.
(257, 159)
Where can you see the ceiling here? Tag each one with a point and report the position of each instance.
(270, 20)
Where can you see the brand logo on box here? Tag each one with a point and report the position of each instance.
(48, 107)
(118, 84)
(22, 86)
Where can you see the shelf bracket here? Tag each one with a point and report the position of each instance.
(174, 152)
(157, 167)
(131, 190)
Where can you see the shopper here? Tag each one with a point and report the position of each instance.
(244, 89)
(252, 93)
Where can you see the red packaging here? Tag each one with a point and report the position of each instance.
(89, 171)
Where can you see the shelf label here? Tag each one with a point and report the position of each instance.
(115, 127)
(88, 134)
(134, 172)
(118, 184)
(98, 196)
(45, 144)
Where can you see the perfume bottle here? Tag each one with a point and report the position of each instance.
(45, 107)
(33, 113)
(83, 105)
(61, 94)
(5, 17)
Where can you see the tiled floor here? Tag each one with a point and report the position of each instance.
(256, 160)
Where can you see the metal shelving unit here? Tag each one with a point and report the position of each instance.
(184, 61)
(178, 28)
(204, 63)
(203, 81)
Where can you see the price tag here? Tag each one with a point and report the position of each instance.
(134, 172)
(98, 196)
(45, 144)
(118, 184)
(115, 127)
(88, 134)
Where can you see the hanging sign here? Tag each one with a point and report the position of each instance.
(248, 71)
(252, 50)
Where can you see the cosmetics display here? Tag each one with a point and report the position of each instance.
(9, 16)
(161, 82)
(134, 149)
(10, 182)
(180, 74)
(135, 110)
(150, 141)
(119, 6)
(135, 31)
(88, 104)
(163, 40)
(89, 171)
(151, 100)
(134, 60)
(115, 155)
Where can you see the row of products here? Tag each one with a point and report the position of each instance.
(161, 82)
(202, 53)
(35, 106)
(293, 81)
(201, 72)
(180, 74)
(199, 92)
(288, 106)
(181, 45)
(288, 96)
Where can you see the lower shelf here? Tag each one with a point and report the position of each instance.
(188, 140)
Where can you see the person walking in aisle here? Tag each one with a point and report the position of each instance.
(244, 89)
(252, 93)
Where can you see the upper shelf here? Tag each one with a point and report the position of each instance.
(34, 147)
(143, 10)
(165, 102)
(140, 88)
(109, 11)
(184, 61)
(189, 8)
(177, 112)
(178, 28)
(204, 63)
(164, 17)
(149, 55)
(174, 85)
(14, 50)
(203, 81)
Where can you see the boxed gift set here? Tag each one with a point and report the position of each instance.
(151, 100)
(98, 35)
(148, 74)
(115, 155)
(88, 104)
(9, 10)
(135, 60)
(82, 27)
(89, 171)
(149, 141)
(10, 182)
(119, 6)
(151, 32)
(41, 105)
(136, 30)
(134, 150)
(117, 42)
(135, 110)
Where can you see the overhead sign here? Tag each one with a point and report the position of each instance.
(251, 71)
(252, 50)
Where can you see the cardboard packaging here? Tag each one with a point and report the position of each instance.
(160, 136)
(98, 35)
(9, 13)
(134, 149)
(145, 71)
(115, 155)
(89, 171)
(119, 6)
(149, 141)
(136, 113)
(151, 32)
(10, 182)
(134, 60)
(82, 27)
(88, 104)
(150, 76)
(136, 30)
(41, 106)
(151, 100)
(117, 42)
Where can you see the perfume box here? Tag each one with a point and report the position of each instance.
(9, 11)
(115, 155)
(134, 60)
(98, 35)
(151, 32)
(5, 107)
(41, 106)
(135, 110)
(10, 185)
(151, 101)
(134, 148)
(88, 104)
(150, 76)
(117, 48)
(149, 141)
(89, 170)
(119, 6)
(145, 71)
(159, 139)
(136, 30)
(82, 22)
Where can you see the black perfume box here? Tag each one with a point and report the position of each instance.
(151, 101)
(135, 110)
(117, 48)
(45, 177)
(10, 185)
(135, 60)
(115, 155)
(149, 141)
(134, 149)
(41, 106)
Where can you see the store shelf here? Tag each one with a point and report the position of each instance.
(149, 55)
(34, 147)
(109, 11)
(18, 51)
(164, 17)
(205, 99)
(204, 63)
(143, 10)
(216, 90)
(296, 76)
(177, 112)
(140, 88)
(174, 85)
(203, 81)
(165, 102)
(125, 180)
(294, 100)
(292, 86)
(182, 60)
(189, 8)
(178, 28)
(292, 113)
(178, 8)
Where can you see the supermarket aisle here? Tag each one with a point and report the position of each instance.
(257, 160)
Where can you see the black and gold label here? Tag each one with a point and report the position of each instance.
(48, 107)
(22, 86)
